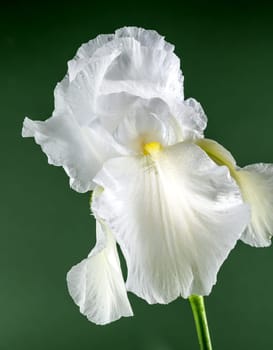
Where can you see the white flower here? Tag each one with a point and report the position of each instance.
(122, 128)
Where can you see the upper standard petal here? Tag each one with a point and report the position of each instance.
(148, 38)
(133, 60)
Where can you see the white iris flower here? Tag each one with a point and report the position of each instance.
(167, 196)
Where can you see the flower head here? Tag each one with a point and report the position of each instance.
(122, 128)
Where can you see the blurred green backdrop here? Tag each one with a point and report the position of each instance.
(227, 59)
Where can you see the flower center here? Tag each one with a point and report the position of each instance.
(151, 148)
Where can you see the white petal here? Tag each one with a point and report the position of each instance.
(148, 38)
(81, 151)
(191, 119)
(143, 71)
(256, 183)
(96, 283)
(196, 117)
(176, 217)
(133, 61)
(79, 96)
(85, 52)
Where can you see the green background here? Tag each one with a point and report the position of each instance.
(227, 59)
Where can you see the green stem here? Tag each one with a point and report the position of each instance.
(201, 323)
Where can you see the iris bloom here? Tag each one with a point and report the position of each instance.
(176, 203)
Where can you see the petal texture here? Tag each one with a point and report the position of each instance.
(191, 119)
(81, 151)
(85, 52)
(256, 183)
(148, 38)
(143, 71)
(176, 216)
(79, 96)
(133, 60)
(96, 283)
